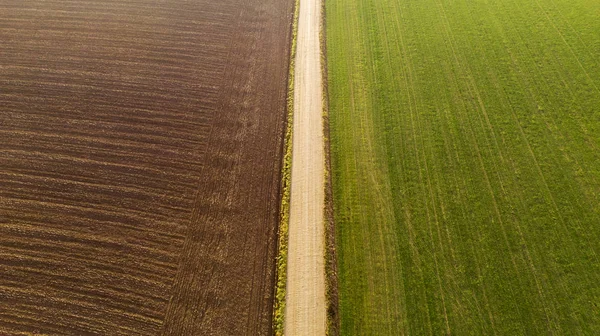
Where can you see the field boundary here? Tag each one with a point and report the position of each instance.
(286, 169)
(331, 269)
(306, 302)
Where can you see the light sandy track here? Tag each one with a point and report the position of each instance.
(305, 302)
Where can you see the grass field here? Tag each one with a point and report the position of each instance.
(465, 141)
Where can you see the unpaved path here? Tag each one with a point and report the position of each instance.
(305, 302)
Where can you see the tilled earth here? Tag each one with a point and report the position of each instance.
(140, 153)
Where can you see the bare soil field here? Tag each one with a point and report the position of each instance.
(140, 154)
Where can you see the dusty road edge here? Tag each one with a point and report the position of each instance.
(306, 292)
(331, 269)
(286, 169)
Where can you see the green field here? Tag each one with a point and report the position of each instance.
(465, 143)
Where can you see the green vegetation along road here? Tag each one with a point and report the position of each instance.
(465, 143)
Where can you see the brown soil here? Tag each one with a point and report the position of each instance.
(140, 154)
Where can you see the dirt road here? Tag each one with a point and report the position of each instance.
(305, 307)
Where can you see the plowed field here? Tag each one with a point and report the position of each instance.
(140, 153)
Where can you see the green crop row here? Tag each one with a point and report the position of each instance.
(465, 148)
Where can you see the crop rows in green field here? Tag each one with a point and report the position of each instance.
(465, 143)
